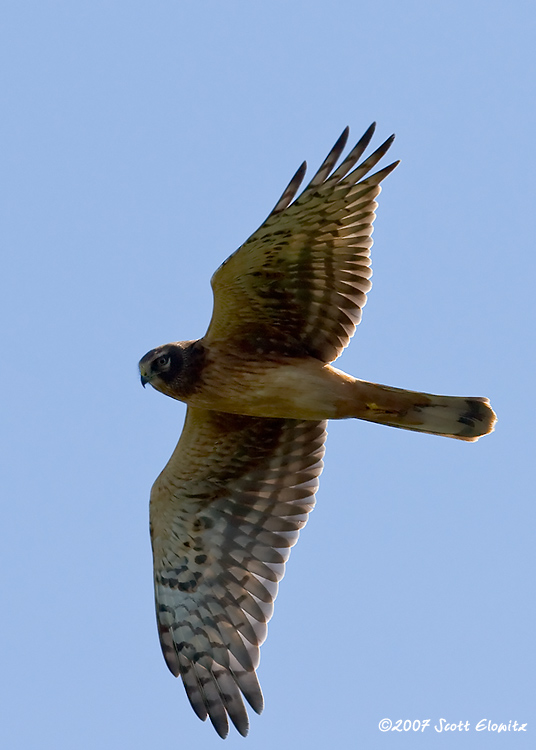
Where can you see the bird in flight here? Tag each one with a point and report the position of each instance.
(259, 386)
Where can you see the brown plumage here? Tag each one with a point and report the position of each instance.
(259, 387)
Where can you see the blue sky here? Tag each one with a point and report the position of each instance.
(141, 144)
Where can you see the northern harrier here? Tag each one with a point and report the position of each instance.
(259, 387)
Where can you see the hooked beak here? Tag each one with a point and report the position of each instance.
(144, 377)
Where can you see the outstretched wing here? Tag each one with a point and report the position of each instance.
(224, 513)
(299, 283)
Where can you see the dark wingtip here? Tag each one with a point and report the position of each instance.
(388, 169)
(221, 730)
(342, 139)
(290, 191)
(302, 169)
(367, 136)
(243, 730)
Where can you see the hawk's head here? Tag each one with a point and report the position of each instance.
(172, 369)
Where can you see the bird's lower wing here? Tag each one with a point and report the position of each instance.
(224, 513)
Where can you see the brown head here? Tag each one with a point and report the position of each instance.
(173, 369)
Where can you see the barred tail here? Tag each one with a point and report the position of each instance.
(451, 416)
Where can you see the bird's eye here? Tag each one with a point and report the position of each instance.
(162, 361)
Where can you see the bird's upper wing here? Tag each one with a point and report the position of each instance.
(297, 286)
(224, 513)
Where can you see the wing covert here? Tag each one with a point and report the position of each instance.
(225, 512)
(301, 280)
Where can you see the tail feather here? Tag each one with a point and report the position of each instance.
(450, 416)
